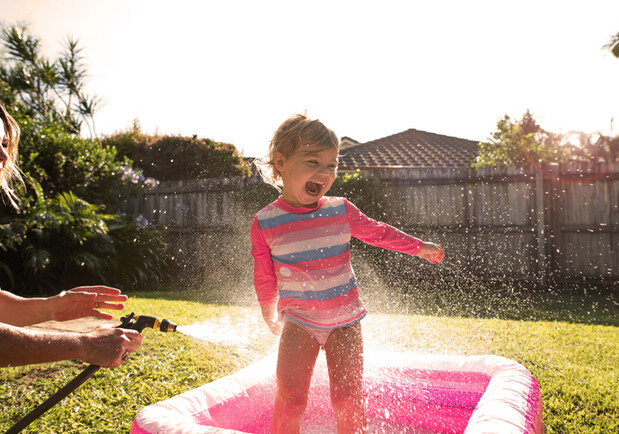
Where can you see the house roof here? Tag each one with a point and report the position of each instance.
(410, 148)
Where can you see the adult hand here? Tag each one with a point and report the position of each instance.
(86, 301)
(107, 346)
(431, 252)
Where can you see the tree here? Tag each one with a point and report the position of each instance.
(47, 88)
(592, 147)
(520, 143)
(526, 143)
(613, 45)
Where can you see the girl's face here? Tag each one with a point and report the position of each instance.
(4, 149)
(307, 174)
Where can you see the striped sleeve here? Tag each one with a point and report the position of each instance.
(380, 234)
(265, 281)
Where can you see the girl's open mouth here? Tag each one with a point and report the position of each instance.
(313, 188)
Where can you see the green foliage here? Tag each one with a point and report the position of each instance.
(520, 143)
(52, 244)
(140, 257)
(65, 233)
(175, 157)
(63, 162)
(364, 193)
(526, 143)
(592, 147)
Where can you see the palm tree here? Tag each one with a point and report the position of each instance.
(613, 45)
(47, 88)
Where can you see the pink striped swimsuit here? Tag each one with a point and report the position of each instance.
(302, 261)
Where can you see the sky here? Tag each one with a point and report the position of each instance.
(233, 70)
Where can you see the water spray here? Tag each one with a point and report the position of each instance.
(129, 322)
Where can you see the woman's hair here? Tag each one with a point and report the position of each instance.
(10, 172)
(288, 138)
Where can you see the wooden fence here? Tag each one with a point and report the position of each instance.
(556, 223)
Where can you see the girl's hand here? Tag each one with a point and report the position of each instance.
(432, 253)
(269, 314)
(275, 326)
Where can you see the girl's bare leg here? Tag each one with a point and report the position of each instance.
(344, 350)
(295, 364)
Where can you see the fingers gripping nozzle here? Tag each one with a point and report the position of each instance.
(140, 322)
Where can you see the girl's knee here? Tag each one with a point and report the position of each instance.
(347, 403)
(291, 403)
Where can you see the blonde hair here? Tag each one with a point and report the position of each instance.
(288, 138)
(11, 172)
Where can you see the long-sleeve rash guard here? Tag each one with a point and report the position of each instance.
(302, 259)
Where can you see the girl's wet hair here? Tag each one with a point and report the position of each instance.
(292, 133)
(11, 172)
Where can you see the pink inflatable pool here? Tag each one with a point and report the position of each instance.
(405, 393)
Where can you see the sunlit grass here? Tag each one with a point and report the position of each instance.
(574, 362)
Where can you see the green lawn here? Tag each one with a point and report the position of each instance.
(573, 354)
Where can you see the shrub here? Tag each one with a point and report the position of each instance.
(56, 244)
(176, 157)
(63, 162)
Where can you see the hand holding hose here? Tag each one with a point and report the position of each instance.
(108, 347)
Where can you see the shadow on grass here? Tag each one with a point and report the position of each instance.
(512, 302)
(508, 301)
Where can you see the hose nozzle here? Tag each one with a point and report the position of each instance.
(140, 322)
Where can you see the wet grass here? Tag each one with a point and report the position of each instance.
(568, 340)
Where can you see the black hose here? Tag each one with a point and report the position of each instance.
(54, 399)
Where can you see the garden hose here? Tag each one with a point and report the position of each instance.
(129, 322)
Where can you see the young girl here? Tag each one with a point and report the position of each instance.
(303, 275)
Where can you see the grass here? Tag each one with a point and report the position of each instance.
(570, 342)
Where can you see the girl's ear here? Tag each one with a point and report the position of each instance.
(279, 160)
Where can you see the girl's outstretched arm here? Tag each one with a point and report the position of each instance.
(386, 236)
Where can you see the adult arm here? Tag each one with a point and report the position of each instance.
(103, 346)
(72, 304)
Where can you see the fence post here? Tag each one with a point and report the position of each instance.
(540, 230)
